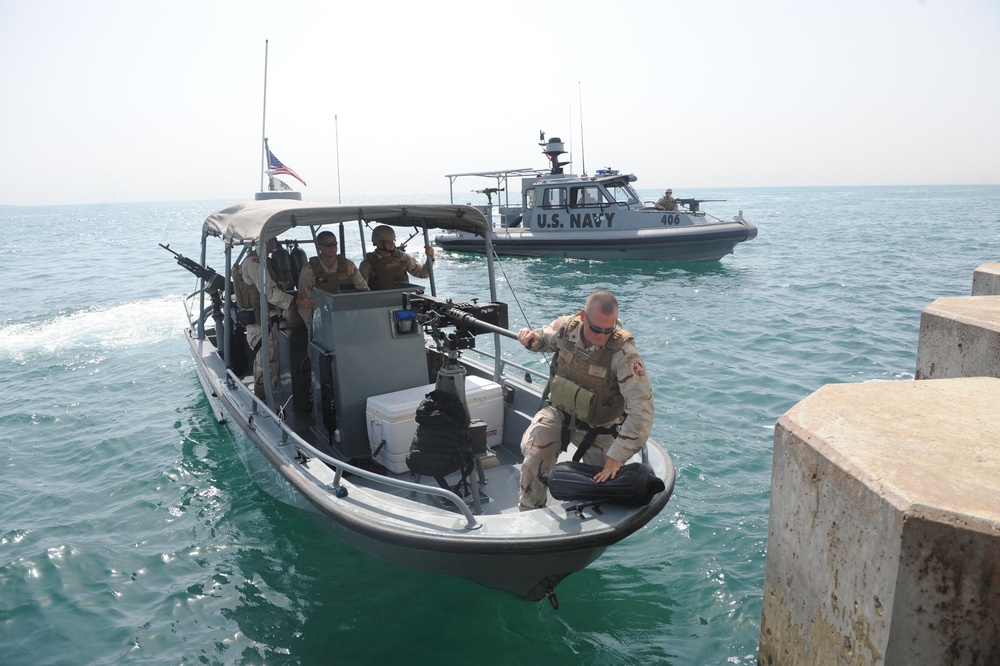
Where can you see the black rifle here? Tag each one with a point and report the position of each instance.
(212, 281)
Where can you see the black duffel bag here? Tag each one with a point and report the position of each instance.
(635, 484)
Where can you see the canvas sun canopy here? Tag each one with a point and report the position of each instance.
(249, 222)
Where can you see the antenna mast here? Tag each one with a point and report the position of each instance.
(583, 155)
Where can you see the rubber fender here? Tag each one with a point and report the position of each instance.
(635, 485)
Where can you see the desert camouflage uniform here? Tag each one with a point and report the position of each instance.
(382, 272)
(250, 274)
(542, 441)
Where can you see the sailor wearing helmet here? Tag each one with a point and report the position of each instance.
(667, 202)
(387, 265)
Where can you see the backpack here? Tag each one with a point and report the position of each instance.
(441, 443)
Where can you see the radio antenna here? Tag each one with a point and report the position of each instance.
(583, 154)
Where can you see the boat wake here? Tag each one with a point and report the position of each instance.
(107, 327)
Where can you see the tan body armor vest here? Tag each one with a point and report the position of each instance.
(386, 271)
(247, 297)
(325, 281)
(586, 387)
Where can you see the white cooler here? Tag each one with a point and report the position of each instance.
(390, 418)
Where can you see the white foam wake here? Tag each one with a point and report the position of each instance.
(108, 326)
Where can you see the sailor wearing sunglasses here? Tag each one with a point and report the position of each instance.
(327, 271)
(598, 396)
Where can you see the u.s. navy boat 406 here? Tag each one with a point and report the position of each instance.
(336, 437)
(593, 217)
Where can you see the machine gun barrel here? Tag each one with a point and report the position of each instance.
(477, 325)
(213, 281)
(469, 319)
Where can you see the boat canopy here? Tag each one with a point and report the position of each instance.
(252, 221)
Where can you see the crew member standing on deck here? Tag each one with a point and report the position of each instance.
(598, 396)
(387, 265)
(246, 284)
(667, 201)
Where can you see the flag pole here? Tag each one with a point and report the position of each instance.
(263, 125)
(336, 134)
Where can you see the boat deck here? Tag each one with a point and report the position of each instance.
(498, 495)
(499, 489)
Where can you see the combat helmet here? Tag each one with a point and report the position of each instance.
(382, 233)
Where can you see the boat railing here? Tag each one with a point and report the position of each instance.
(504, 364)
(342, 467)
(198, 323)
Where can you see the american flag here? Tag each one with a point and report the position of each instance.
(275, 166)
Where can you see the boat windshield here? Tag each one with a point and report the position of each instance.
(623, 193)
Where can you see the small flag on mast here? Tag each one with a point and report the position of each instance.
(278, 185)
(275, 166)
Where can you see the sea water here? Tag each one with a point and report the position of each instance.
(130, 531)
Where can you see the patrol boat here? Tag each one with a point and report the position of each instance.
(598, 217)
(336, 439)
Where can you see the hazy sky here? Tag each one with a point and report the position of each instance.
(116, 101)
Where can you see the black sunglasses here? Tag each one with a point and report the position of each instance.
(334, 244)
(600, 331)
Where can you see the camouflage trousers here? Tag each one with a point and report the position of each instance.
(541, 446)
(253, 339)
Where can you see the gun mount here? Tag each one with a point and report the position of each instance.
(468, 319)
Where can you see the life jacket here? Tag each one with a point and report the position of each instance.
(386, 270)
(247, 297)
(325, 280)
(585, 387)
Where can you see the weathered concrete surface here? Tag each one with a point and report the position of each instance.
(986, 280)
(884, 531)
(959, 337)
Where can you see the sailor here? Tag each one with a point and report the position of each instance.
(246, 283)
(667, 201)
(327, 272)
(387, 265)
(598, 396)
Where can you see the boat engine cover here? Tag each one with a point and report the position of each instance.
(635, 484)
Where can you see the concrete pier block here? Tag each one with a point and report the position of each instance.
(986, 280)
(959, 337)
(884, 530)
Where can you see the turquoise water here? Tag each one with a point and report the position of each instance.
(130, 531)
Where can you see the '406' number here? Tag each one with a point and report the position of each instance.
(670, 219)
